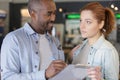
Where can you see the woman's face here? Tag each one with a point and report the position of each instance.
(89, 25)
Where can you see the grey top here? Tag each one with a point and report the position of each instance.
(83, 55)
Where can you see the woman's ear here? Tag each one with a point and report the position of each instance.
(101, 25)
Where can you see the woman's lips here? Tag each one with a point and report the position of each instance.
(83, 32)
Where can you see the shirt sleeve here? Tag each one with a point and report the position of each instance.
(111, 65)
(10, 62)
(59, 48)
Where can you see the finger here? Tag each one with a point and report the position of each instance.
(98, 68)
(94, 73)
(59, 63)
(59, 66)
(95, 69)
(75, 48)
(94, 77)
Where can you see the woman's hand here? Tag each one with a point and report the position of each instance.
(70, 55)
(94, 73)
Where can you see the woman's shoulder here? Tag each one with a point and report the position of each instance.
(107, 44)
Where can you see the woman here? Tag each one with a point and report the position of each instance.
(96, 22)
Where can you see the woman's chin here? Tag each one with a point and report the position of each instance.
(83, 36)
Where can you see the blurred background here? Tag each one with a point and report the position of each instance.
(14, 13)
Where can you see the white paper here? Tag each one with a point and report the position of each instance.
(72, 72)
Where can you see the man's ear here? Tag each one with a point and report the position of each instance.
(101, 24)
(32, 14)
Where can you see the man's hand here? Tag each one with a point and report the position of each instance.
(55, 67)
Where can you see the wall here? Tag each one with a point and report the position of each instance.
(5, 6)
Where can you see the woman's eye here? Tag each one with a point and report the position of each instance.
(80, 20)
(88, 22)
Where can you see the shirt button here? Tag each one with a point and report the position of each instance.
(36, 52)
(35, 66)
(1, 70)
(36, 42)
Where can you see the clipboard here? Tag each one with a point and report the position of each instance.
(72, 72)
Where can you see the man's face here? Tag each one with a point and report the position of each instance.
(2, 22)
(45, 16)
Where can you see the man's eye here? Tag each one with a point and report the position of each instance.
(54, 13)
(51, 13)
(48, 14)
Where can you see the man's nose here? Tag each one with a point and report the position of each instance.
(52, 17)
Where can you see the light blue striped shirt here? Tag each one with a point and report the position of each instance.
(102, 54)
(20, 54)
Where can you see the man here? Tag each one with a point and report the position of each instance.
(30, 53)
(3, 15)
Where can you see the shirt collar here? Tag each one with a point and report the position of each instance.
(49, 36)
(29, 30)
(99, 42)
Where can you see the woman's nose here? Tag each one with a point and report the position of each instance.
(82, 25)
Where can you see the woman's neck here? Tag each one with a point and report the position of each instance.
(93, 39)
